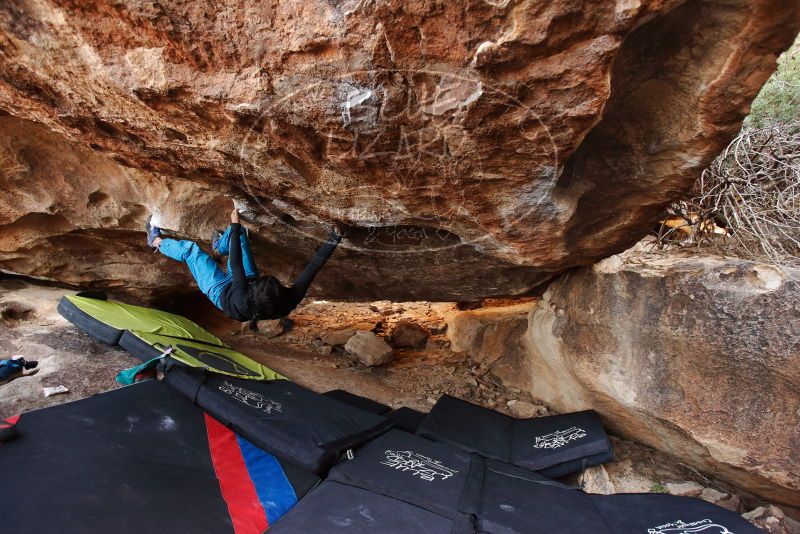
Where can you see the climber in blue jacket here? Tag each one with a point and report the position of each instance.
(241, 293)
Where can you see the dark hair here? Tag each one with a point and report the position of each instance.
(267, 297)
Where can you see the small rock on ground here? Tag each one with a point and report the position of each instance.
(684, 489)
(369, 349)
(338, 337)
(268, 328)
(725, 500)
(526, 410)
(596, 480)
(409, 335)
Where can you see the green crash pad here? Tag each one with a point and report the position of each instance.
(146, 333)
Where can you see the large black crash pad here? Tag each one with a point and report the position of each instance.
(406, 419)
(433, 476)
(398, 483)
(517, 501)
(437, 488)
(333, 507)
(295, 424)
(139, 459)
(357, 401)
(554, 446)
(395, 484)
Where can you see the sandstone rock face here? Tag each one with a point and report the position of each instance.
(695, 356)
(494, 337)
(70, 214)
(725, 500)
(512, 139)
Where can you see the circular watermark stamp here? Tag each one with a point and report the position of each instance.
(399, 155)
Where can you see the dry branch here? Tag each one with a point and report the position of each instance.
(752, 191)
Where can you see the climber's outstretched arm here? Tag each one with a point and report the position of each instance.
(300, 287)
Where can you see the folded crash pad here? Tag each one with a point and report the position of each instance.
(396, 484)
(555, 446)
(146, 333)
(514, 500)
(434, 476)
(357, 401)
(431, 481)
(284, 418)
(139, 459)
(334, 507)
(406, 419)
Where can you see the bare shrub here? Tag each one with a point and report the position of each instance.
(747, 203)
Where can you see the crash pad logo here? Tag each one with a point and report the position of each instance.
(251, 398)
(704, 526)
(418, 465)
(559, 438)
(217, 362)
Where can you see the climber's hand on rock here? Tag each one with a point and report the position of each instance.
(235, 216)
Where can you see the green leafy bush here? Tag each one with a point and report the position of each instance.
(779, 99)
(657, 487)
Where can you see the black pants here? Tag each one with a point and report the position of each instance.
(298, 291)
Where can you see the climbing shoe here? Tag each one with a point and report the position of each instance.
(152, 233)
(14, 368)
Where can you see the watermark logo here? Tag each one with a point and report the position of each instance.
(251, 398)
(560, 438)
(704, 526)
(418, 465)
(397, 153)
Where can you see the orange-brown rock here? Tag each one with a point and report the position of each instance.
(475, 147)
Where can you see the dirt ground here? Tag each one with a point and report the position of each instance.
(32, 327)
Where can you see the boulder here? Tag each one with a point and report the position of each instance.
(493, 336)
(694, 355)
(474, 148)
(409, 335)
(369, 349)
(71, 214)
